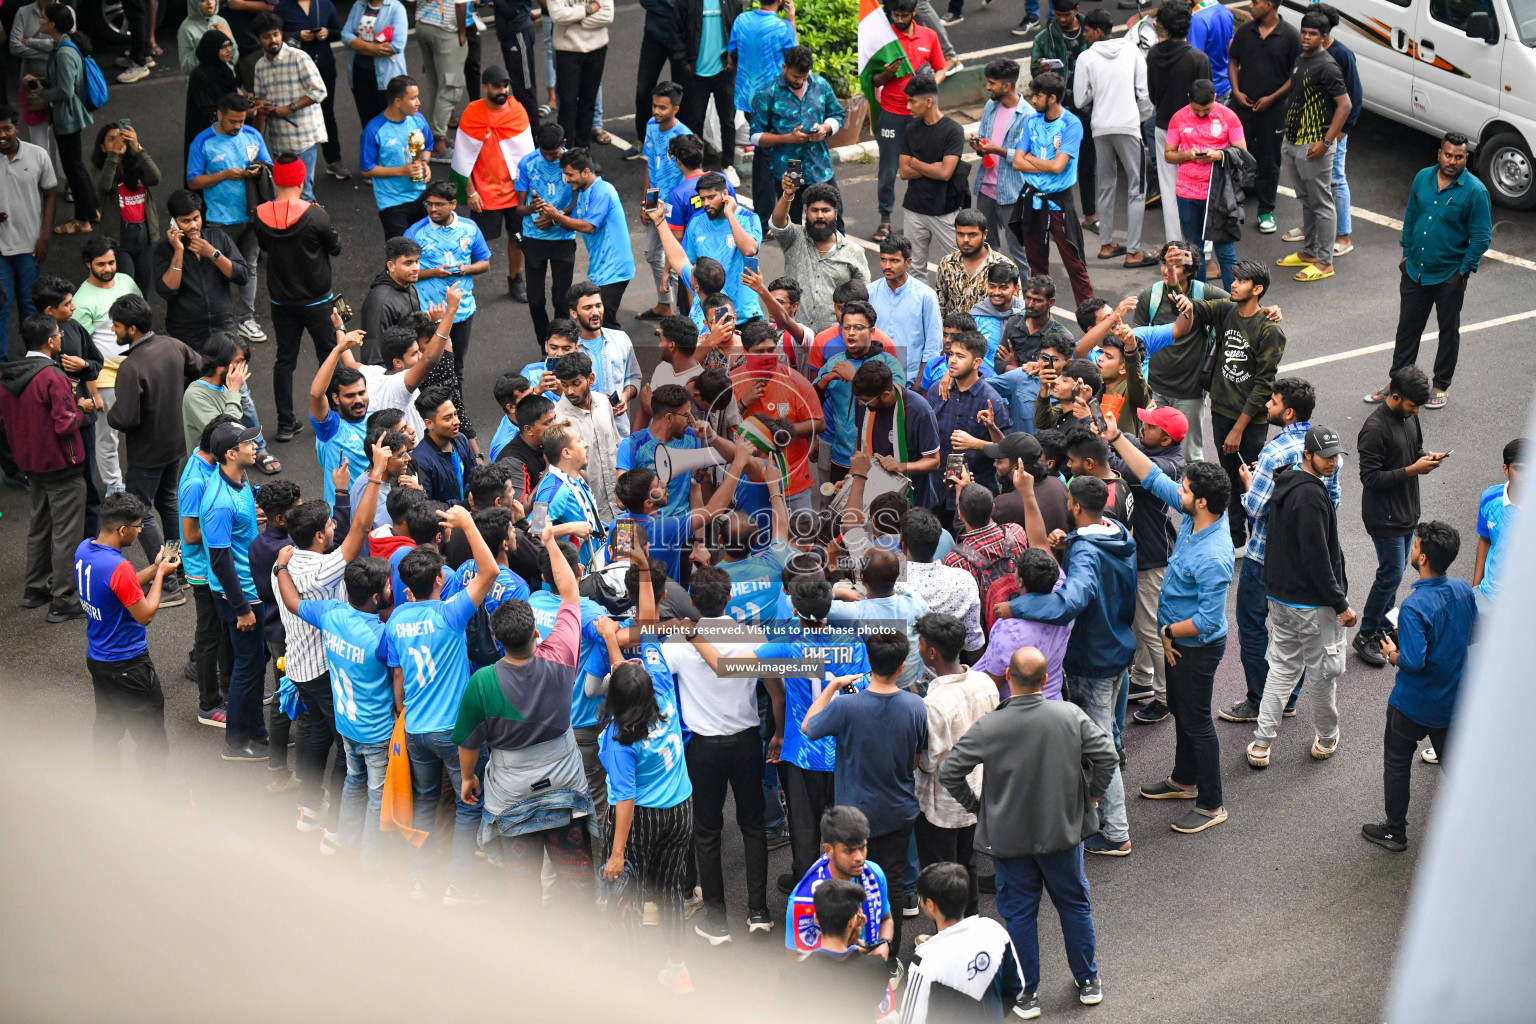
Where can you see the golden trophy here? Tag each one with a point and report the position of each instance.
(416, 142)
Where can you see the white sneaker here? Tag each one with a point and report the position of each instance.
(732, 177)
(250, 330)
(133, 74)
(954, 69)
(1428, 756)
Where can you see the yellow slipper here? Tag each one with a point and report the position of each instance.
(1313, 272)
(1293, 260)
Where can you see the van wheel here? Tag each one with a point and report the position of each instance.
(1504, 163)
(104, 22)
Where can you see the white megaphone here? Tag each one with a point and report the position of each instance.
(675, 462)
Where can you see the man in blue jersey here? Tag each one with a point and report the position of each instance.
(453, 253)
(361, 688)
(666, 534)
(683, 203)
(564, 497)
(495, 525)
(598, 217)
(546, 245)
(755, 563)
(671, 419)
(663, 175)
(424, 643)
(613, 354)
(220, 160)
(128, 695)
(1497, 516)
(696, 278)
(508, 390)
(211, 655)
(856, 321)
(338, 412)
(727, 233)
(228, 521)
(844, 856)
(398, 168)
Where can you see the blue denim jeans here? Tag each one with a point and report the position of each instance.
(1019, 881)
(243, 706)
(1253, 631)
(248, 415)
(307, 193)
(16, 276)
(1192, 220)
(431, 752)
(366, 763)
(1391, 559)
(1099, 697)
(1341, 185)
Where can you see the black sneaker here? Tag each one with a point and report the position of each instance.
(1368, 646)
(713, 929)
(1137, 694)
(759, 921)
(786, 883)
(909, 905)
(1090, 992)
(35, 598)
(1156, 711)
(252, 751)
(1290, 709)
(1386, 837)
(68, 613)
(1026, 27)
(987, 884)
(1164, 789)
(1028, 1006)
(1244, 710)
(517, 289)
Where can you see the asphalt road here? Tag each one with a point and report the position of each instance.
(1284, 908)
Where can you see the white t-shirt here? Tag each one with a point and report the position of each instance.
(664, 374)
(388, 391)
(710, 705)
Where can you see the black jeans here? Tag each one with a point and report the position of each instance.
(396, 219)
(559, 259)
(459, 334)
(129, 699)
(212, 656)
(157, 487)
(1087, 165)
(1398, 746)
(519, 55)
(577, 79)
(370, 99)
(1197, 751)
(936, 844)
(889, 130)
(696, 93)
(809, 794)
(890, 852)
(290, 322)
(1413, 313)
(136, 14)
(654, 54)
(72, 159)
(1265, 134)
(613, 294)
(1248, 447)
(92, 496)
(713, 763)
(315, 745)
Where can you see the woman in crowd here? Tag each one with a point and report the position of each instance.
(124, 175)
(211, 80)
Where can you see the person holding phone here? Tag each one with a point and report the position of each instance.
(792, 118)
(1197, 135)
(662, 175)
(123, 174)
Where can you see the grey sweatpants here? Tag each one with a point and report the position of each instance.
(1314, 187)
(1194, 411)
(1116, 153)
(927, 17)
(1167, 182)
(1301, 640)
(1148, 667)
(932, 237)
(442, 64)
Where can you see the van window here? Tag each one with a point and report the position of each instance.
(1454, 12)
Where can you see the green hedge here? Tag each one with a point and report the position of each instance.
(831, 29)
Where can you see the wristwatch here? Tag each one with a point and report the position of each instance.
(216, 255)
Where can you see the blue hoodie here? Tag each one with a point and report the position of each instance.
(1100, 593)
(990, 322)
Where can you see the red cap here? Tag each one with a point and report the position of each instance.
(1170, 419)
(289, 175)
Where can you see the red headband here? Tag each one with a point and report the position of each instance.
(289, 175)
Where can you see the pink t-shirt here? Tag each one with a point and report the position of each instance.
(1002, 119)
(1187, 132)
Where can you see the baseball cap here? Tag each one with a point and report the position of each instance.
(1017, 445)
(229, 435)
(494, 75)
(1322, 441)
(1168, 418)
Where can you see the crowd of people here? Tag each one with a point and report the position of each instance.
(889, 559)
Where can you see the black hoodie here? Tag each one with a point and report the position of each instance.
(300, 241)
(385, 306)
(1303, 563)
(1172, 66)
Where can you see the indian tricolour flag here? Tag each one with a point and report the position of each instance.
(878, 47)
(756, 433)
(509, 131)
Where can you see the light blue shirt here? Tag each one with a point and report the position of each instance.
(189, 502)
(638, 451)
(361, 683)
(457, 242)
(546, 604)
(533, 373)
(609, 259)
(897, 611)
(711, 41)
(213, 151)
(563, 499)
(386, 143)
(910, 316)
(538, 176)
(758, 39)
(664, 173)
(425, 640)
(228, 520)
(705, 236)
(1497, 518)
(1199, 568)
(756, 583)
(651, 772)
(336, 439)
(506, 430)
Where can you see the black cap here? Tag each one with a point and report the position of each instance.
(1323, 442)
(1017, 445)
(494, 75)
(230, 435)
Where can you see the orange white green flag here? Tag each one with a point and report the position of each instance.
(509, 134)
(878, 47)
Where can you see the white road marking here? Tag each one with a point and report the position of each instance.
(1389, 345)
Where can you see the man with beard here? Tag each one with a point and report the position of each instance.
(288, 91)
(835, 382)
(598, 217)
(896, 427)
(962, 278)
(102, 286)
(907, 306)
(592, 413)
(792, 119)
(564, 497)
(727, 233)
(547, 247)
(453, 253)
(611, 351)
(219, 161)
(1001, 127)
(338, 412)
(194, 268)
(817, 255)
(1048, 156)
(497, 132)
(922, 49)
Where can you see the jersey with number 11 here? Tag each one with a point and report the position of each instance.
(425, 640)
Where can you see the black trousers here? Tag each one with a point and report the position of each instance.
(331, 147)
(519, 56)
(1087, 177)
(136, 14)
(1265, 134)
(157, 487)
(370, 99)
(1398, 746)
(654, 54)
(72, 159)
(696, 93)
(578, 76)
(472, 64)
(290, 322)
(559, 260)
(937, 844)
(396, 219)
(212, 656)
(715, 762)
(316, 747)
(809, 794)
(459, 334)
(1248, 448)
(88, 470)
(129, 699)
(1415, 301)
(890, 852)
(613, 294)
(1197, 751)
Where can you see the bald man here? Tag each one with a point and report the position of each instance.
(884, 608)
(1032, 810)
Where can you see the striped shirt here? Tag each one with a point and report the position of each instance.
(316, 577)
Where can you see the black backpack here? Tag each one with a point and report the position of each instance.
(479, 640)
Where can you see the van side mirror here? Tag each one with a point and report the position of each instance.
(1480, 25)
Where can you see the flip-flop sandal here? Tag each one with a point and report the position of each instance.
(268, 464)
(1343, 250)
(1313, 272)
(74, 227)
(545, 110)
(1293, 260)
(881, 233)
(1118, 250)
(602, 138)
(1294, 235)
(1143, 260)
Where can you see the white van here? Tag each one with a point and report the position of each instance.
(1464, 65)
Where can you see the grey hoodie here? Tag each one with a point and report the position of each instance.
(1112, 77)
